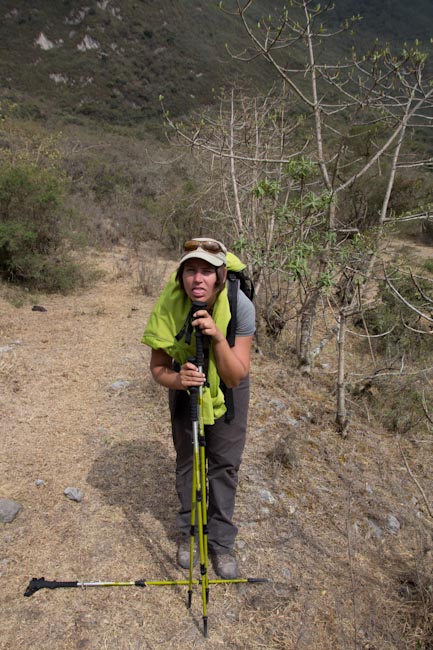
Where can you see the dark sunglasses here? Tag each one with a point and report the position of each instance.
(209, 246)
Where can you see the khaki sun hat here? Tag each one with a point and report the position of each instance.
(205, 248)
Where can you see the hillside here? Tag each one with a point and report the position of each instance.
(340, 526)
(111, 61)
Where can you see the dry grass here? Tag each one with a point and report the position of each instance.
(336, 570)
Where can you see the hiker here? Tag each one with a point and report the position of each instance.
(201, 277)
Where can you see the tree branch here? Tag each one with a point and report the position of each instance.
(415, 480)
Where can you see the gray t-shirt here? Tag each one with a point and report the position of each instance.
(246, 316)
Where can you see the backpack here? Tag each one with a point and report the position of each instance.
(235, 280)
(243, 281)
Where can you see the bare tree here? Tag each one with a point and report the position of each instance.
(289, 166)
(378, 97)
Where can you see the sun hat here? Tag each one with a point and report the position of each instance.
(205, 248)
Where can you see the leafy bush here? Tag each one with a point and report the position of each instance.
(30, 198)
(33, 218)
(428, 265)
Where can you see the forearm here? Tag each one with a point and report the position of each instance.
(233, 363)
(163, 373)
(167, 377)
(230, 367)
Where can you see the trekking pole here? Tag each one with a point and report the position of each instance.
(202, 449)
(194, 420)
(198, 497)
(203, 473)
(197, 512)
(36, 584)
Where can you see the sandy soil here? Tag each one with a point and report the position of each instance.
(318, 526)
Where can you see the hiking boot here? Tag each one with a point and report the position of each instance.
(225, 565)
(183, 554)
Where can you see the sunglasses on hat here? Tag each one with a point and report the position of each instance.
(207, 245)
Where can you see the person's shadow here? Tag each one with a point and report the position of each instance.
(139, 477)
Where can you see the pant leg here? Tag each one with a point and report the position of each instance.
(181, 427)
(224, 446)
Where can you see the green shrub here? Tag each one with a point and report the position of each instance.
(397, 401)
(62, 275)
(33, 227)
(428, 265)
(30, 198)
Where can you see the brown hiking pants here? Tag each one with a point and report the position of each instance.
(224, 446)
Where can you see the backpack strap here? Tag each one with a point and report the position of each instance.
(229, 402)
(232, 290)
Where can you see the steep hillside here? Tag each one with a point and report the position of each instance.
(390, 20)
(112, 60)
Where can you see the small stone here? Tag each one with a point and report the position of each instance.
(8, 510)
(39, 482)
(119, 384)
(277, 404)
(375, 529)
(393, 525)
(267, 496)
(74, 494)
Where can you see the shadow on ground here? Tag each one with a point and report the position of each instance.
(139, 477)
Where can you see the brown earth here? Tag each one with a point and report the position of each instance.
(341, 578)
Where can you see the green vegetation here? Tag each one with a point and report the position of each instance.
(34, 218)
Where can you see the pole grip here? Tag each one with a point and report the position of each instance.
(40, 583)
(199, 352)
(193, 402)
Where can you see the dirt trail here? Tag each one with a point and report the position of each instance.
(308, 527)
(64, 423)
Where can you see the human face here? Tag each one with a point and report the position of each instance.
(199, 281)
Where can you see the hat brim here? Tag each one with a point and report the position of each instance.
(217, 259)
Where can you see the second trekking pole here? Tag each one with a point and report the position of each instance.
(199, 479)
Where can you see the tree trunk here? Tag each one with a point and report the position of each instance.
(308, 317)
(341, 417)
